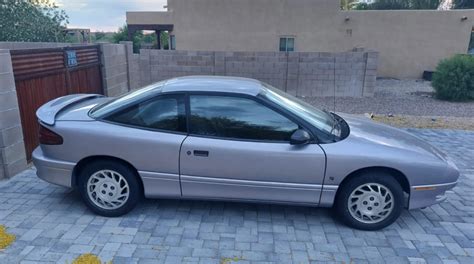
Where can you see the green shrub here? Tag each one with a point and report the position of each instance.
(454, 78)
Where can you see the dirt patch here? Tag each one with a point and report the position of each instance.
(424, 94)
(397, 97)
(437, 122)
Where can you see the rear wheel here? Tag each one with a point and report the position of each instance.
(109, 188)
(370, 201)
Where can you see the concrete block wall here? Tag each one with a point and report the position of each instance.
(132, 65)
(165, 64)
(269, 67)
(299, 73)
(144, 67)
(331, 74)
(372, 61)
(12, 148)
(134, 72)
(115, 69)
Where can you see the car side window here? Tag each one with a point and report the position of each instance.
(162, 113)
(237, 118)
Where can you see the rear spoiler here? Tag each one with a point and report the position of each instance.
(47, 113)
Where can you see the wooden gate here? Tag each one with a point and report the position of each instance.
(44, 74)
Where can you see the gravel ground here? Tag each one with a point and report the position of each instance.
(437, 122)
(397, 97)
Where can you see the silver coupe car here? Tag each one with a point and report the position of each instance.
(235, 139)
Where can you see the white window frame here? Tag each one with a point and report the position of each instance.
(286, 37)
(172, 44)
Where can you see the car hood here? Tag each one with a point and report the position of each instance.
(364, 129)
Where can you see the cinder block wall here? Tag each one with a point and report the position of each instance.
(12, 149)
(299, 73)
(270, 67)
(115, 68)
(134, 72)
(144, 68)
(132, 66)
(166, 64)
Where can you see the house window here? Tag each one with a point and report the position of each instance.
(172, 42)
(287, 44)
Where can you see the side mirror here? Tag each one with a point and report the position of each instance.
(300, 137)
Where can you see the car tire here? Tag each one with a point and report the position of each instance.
(370, 201)
(109, 188)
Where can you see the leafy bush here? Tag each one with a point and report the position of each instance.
(454, 78)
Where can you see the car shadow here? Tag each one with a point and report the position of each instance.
(228, 212)
(245, 210)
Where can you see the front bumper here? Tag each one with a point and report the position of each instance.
(426, 195)
(53, 171)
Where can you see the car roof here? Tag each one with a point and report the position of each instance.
(213, 84)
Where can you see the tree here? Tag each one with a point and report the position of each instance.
(399, 4)
(424, 4)
(361, 6)
(102, 37)
(348, 4)
(99, 35)
(464, 4)
(122, 35)
(32, 20)
(390, 4)
(164, 36)
(139, 38)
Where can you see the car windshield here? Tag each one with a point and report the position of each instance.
(320, 119)
(134, 96)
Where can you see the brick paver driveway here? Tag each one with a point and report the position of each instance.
(52, 224)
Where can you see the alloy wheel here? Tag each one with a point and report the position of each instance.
(370, 203)
(108, 189)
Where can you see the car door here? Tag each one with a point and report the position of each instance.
(149, 134)
(238, 148)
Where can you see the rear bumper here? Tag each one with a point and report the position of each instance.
(426, 195)
(53, 171)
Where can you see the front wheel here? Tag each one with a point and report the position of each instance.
(109, 188)
(370, 202)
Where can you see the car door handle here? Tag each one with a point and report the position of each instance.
(201, 153)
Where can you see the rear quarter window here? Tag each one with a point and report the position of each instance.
(162, 113)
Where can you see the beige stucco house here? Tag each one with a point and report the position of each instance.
(409, 42)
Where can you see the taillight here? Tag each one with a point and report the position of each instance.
(48, 137)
